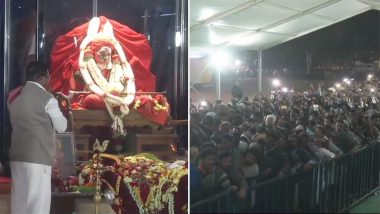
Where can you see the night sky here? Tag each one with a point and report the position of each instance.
(338, 41)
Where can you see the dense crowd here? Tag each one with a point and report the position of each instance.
(251, 140)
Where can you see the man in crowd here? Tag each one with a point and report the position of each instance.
(201, 173)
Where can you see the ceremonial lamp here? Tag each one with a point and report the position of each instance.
(98, 167)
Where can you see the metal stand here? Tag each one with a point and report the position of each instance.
(98, 170)
(98, 167)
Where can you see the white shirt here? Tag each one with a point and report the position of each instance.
(59, 121)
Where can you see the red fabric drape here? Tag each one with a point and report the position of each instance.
(65, 55)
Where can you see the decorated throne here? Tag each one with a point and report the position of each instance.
(101, 73)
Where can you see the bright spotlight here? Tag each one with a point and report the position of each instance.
(372, 90)
(284, 89)
(237, 62)
(345, 80)
(220, 59)
(337, 85)
(178, 39)
(369, 76)
(203, 103)
(276, 82)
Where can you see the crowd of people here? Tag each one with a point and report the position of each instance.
(251, 140)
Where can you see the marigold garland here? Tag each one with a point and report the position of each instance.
(158, 197)
(137, 173)
(160, 104)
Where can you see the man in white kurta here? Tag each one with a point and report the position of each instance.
(35, 117)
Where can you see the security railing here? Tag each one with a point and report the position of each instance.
(331, 186)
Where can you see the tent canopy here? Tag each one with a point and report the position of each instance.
(261, 24)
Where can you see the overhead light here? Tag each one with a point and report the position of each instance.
(246, 38)
(276, 82)
(178, 39)
(216, 39)
(195, 56)
(206, 13)
(221, 59)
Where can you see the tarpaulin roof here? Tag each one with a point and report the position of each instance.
(261, 24)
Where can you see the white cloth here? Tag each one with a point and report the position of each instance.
(55, 114)
(243, 146)
(31, 188)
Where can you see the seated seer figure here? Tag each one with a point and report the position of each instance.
(103, 64)
(112, 62)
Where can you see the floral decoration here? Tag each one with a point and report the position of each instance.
(149, 182)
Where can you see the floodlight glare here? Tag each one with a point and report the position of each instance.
(203, 103)
(284, 89)
(337, 85)
(178, 39)
(220, 59)
(345, 80)
(276, 82)
(372, 90)
(370, 76)
(237, 62)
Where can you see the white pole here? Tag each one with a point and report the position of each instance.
(260, 72)
(218, 84)
(94, 8)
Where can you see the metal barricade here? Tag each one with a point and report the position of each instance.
(331, 186)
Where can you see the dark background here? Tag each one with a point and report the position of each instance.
(340, 41)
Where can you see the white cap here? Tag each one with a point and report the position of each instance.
(300, 127)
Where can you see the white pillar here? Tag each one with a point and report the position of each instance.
(260, 72)
(94, 8)
(218, 83)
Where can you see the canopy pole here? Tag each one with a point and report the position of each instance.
(94, 8)
(218, 84)
(260, 72)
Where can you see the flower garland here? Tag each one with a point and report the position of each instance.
(141, 174)
(140, 170)
(159, 101)
(120, 79)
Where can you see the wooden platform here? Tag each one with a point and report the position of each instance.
(5, 185)
(157, 144)
(156, 139)
(82, 117)
(5, 195)
(5, 203)
(63, 203)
